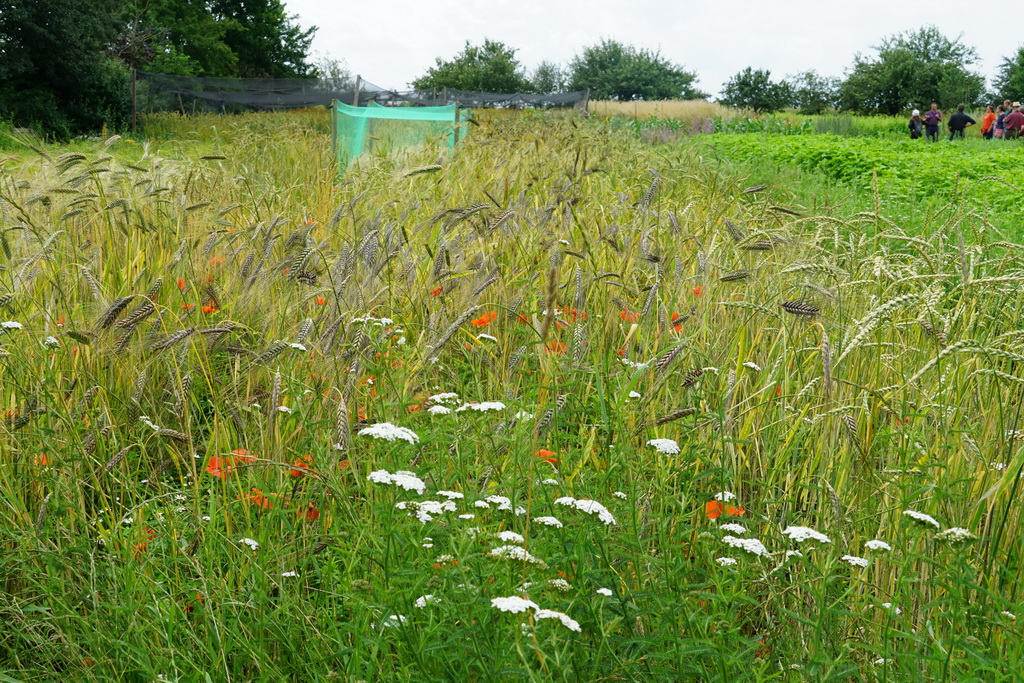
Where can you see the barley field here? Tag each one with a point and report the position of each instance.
(562, 405)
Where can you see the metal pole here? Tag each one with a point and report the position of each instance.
(355, 98)
(455, 140)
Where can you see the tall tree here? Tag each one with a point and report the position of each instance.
(547, 78)
(913, 69)
(755, 89)
(54, 72)
(491, 67)
(614, 71)
(813, 94)
(1010, 80)
(265, 40)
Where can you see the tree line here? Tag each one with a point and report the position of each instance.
(65, 65)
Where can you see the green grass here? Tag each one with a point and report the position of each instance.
(121, 553)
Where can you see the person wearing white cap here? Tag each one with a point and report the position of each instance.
(916, 124)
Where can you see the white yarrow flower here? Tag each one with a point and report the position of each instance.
(487, 336)
(298, 346)
(284, 409)
(855, 561)
(393, 621)
(439, 410)
(803, 533)
(566, 620)
(733, 528)
(607, 592)
(725, 496)
(451, 494)
(549, 482)
(954, 535)
(666, 446)
(567, 501)
(467, 516)
(751, 545)
(481, 407)
(922, 518)
(510, 537)
(753, 366)
(620, 494)
(877, 545)
(12, 325)
(447, 397)
(389, 432)
(1009, 615)
(425, 600)
(513, 604)
(726, 561)
(889, 606)
(548, 521)
(514, 552)
(51, 341)
(402, 478)
(592, 507)
(291, 574)
(249, 542)
(634, 394)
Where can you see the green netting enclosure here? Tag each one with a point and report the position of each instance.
(380, 130)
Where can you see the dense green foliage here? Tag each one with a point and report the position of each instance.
(548, 77)
(491, 67)
(813, 94)
(64, 64)
(754, 89)
(913, 69)
(975, 172)
(220, 288)
(615, 71)
(1009, 82)
(53, 72)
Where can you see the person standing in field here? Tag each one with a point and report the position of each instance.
(1013, 123)
(958, 122)
(988, 123)
(931, 122)
(1000, 115)
(916, 124)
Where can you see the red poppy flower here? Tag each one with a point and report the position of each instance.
(181, 283)
(42, 460)
(187, 307)
(259, 499)
(555, 346)
(547, 456)
(436, 291)
(714, 508)
(677, 325)
(698, 291)
(210, 309)
(286, 271)
(243, 455)
(524, 320)
(484, 320)
(320, 301)
(629, 316)
(302, 466)
(219, 467)
(216, 260)
(310, 512)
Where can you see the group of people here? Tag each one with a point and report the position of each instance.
(1004, 122)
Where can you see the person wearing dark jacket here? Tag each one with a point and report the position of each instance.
(959, 121)
(916, 125)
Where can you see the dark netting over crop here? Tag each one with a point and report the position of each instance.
(161, 92)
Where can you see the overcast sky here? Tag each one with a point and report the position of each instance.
(391, 42)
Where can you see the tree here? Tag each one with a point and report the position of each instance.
(614, 71)
(1010, 80)
(813, 94)
(913, 69)
(491, 67)
(754, 89)
(266, 42)
(548, 78)
(54, 72)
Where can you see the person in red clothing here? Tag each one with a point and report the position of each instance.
(988, 123)
(1013, 123)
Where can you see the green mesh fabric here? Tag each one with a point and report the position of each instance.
(379, 130)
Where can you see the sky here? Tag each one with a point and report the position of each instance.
(391, 42)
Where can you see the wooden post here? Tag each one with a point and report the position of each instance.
(455, 140)
(355, 97)
(135, 78)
